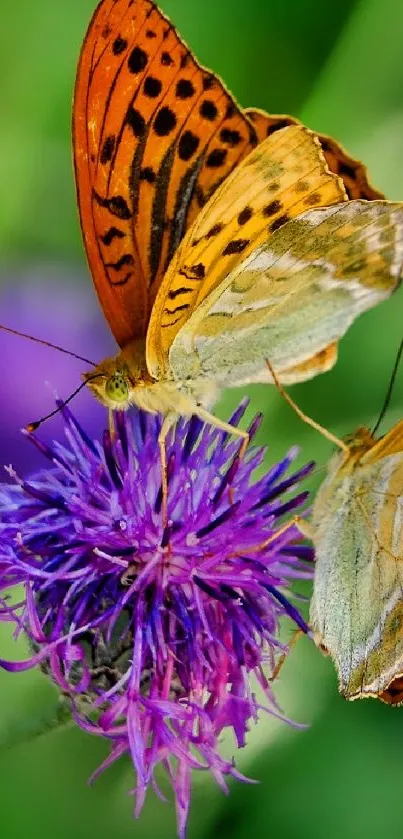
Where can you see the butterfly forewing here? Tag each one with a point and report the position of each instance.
(278, 180)
(154, 135)
(352, 172)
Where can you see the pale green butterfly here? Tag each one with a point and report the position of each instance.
(357, 605)
(356, 612)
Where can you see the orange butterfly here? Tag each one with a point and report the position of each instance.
(216, 237)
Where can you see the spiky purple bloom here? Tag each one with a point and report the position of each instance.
(153, 632)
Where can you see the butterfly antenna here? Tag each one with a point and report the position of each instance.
(33, 426)
(305, 418)
(389, 391)
(46, 344)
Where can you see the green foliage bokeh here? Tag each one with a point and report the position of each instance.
(338, 67)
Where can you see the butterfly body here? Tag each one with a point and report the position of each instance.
(217, 237)
(357, 605)
(124, 381)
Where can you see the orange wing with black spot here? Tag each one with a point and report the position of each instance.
(154, 135)
(352, 172)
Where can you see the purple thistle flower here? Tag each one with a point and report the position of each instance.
(153, 633)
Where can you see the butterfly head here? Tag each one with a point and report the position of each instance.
(111, 383)
(359, 442)
(119, 382)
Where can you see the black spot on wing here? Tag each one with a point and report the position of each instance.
(236, 246)
(166, 59)
(176, 292)
(136, 122)
(108, 149)
(137, 61)
(214, 230)
(216, 158)
(278, 222)
(188, 145)
(119, 45)
(301, 186)
(171, 322)
(112, 234)
(208, 82)
(148, 174)
(122, 281)
(193, 272)
(184, 89)
(245, 215)
(312, 200)
(164, 122)
(176, 309)
(272, 208)
(208, 110)
(126, 259)
(116, 205)
(152, 87)
(229, 137)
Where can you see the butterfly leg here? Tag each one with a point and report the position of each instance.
(111, 424)
(205, 416)
(305, 418)
(305, 528)
(279, 666)
(167, 424)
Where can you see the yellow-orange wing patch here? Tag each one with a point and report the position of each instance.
(391, 443)
(352, 172)
(282, 178)
(154, 135)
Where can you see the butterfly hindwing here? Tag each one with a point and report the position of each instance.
(294, 295)
(352, 172)
(278, 180)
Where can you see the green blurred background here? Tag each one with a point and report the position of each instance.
(339, 67)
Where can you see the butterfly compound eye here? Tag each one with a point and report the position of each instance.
(116, 388)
